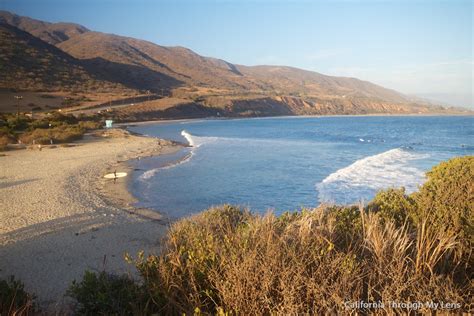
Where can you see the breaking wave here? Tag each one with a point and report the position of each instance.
(188, 137)
(197, 141)
(362, 179)
(193, 141)
(148, 174)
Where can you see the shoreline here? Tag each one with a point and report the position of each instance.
(119, 193)
(64, 218)
(138, 123)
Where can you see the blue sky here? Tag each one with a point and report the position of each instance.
(416, 47)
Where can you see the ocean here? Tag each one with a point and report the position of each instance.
(288, 163)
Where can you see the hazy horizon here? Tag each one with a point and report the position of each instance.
(420, 48)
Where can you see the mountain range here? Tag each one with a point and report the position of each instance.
(42, 56)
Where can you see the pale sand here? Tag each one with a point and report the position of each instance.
(59, 216)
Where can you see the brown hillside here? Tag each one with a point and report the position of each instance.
(90, 60)
(289, 80)
(27, 62)
(194, 70)
(176, 62)
(51, 33)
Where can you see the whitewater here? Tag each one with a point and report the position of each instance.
(366, 176)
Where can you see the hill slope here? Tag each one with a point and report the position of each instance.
(289, 79)
(120, 62)
(28, 62)
(195, 70)
(176, 62)
(51, 33)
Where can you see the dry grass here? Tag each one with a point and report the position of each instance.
(409, 265)
(59, 134)
(227, 259)
(90, 125)
(5, 139)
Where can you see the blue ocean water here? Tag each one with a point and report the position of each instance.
(292, 162)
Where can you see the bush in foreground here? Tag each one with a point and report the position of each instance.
(106, 294)
(446, 201)
(393, 204)
(14, 300)
(298, 264)
(227, 260)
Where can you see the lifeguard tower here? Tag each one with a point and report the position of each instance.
(108, 123)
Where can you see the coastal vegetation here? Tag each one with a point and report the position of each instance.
(227, 260)
(14, 300)
(51, 127)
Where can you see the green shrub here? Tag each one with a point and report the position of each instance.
(14, 300)
(106, 294)
(3, 122)
(18, 122)
(348, 225)
(43, 123)
(446, 202)
(393, 204)
(447, 196)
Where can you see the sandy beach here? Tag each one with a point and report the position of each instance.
(60, 216)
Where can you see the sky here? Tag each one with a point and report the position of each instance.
(417, 47)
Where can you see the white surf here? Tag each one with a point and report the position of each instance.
(368, 175)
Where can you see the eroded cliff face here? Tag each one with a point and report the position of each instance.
(289, 105)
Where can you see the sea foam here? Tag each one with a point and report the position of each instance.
(193, 141)
(368, 175)
(189, 138)
(148, 174)
(197, 141)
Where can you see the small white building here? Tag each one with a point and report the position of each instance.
(108, 123)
